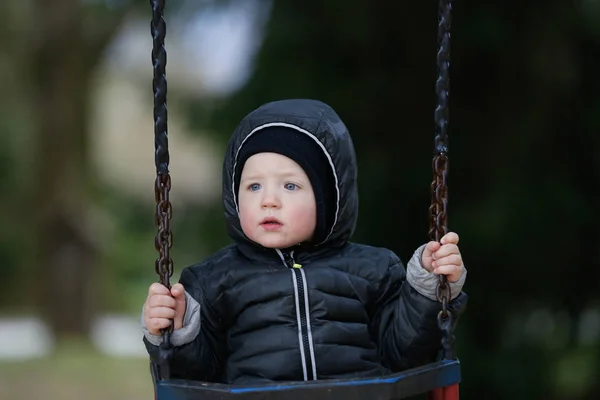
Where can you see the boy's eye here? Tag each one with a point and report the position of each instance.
(291, 186)
(254, 187)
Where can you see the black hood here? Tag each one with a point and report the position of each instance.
(313, 118)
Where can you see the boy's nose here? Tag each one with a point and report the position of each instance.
(270, 200)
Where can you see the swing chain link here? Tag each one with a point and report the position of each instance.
(158, 30)
(439, 219)
(438, 211)
(164, 264)
(164, 238)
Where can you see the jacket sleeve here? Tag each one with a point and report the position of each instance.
(404, 321)
(197, 357)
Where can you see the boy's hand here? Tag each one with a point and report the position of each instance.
(161, 306)
(444, 258)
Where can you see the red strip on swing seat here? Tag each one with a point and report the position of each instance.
(445, 393)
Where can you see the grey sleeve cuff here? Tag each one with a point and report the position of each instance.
(190, 329)
(425, 282)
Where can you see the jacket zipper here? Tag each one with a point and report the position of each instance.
(303, 315)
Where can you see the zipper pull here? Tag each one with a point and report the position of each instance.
(289, 260)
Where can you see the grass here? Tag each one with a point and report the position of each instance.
(76, 372)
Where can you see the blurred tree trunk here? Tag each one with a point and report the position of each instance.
(65, 252)
(66, 50)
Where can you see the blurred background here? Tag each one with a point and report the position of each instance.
(76, 162)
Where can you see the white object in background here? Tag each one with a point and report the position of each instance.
(23, 338)
(118, 336)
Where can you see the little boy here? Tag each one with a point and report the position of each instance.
(292, 299)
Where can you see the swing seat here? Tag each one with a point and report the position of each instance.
(439, 379)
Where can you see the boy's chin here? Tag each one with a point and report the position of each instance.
(275, 243)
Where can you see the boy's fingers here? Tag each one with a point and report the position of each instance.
(445, 251)
(430, 248)
(157, 288)
(162, 301)
(164, 305)
(452, 259)
(177, 291)
(450, 237)
(179, 294)
(178, 321)
(156, 324)
(161, 312)
(453, 272)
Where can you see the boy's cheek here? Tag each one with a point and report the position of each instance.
(245, 221)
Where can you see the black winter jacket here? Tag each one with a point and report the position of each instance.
(347, 312)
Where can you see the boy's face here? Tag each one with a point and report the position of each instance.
(276, 201)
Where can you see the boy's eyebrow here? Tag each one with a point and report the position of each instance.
(251, 177)
(281, 174)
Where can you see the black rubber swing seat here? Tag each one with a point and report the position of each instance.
(402, 385)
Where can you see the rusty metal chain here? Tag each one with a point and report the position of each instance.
(438, 211)
(164, 237)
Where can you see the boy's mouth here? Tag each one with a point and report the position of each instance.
(271, 223)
